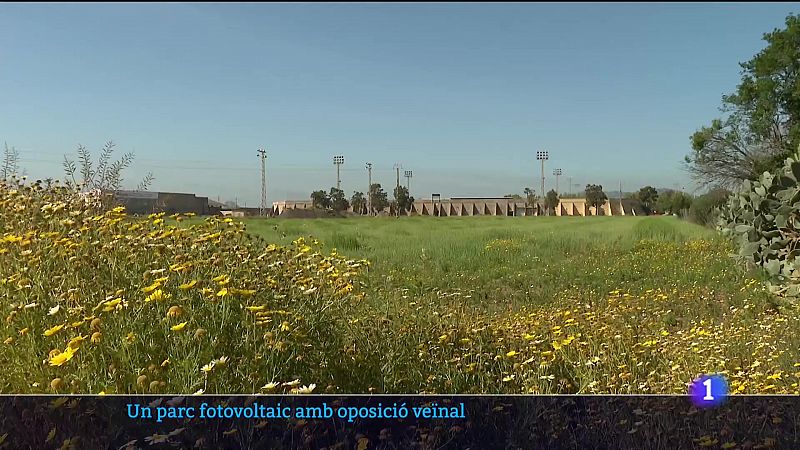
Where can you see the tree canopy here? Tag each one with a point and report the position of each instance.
(530, 197)
(673, 202)
(648, 196)
(338, 200)
(320, 199)
(551, 201)
(595, 195)
(761, 119)
(359, 202)
(379, 199)
(402, 198)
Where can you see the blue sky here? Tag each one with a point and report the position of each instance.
(462, 94)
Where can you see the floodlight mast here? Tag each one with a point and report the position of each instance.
(557, 173)
(338, 161)
(542, 155)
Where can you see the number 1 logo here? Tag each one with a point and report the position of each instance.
(708, 397)
(708, 391)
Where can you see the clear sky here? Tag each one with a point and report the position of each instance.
(462, 94)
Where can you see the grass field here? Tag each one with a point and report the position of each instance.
(505, 262)
(559, 304)
(97, 301)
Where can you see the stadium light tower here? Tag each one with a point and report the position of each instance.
(338, 161)
(408, 175)
(542, 155)
(557, 173)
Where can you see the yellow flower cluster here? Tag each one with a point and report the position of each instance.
(138, 304)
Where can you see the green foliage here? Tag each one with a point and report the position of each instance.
(338, 200)
(674, 202)
(133, 292)
(762, 122)
(402, 198)
(320, 199)
(530, 197)
(595, 195)
(762, 218)
(107, 175)
(514, 196)
(379, 198)
(435, 282)
(359, 202)
(648, 196)
(705, 209)
(769, 93)
(551, 201)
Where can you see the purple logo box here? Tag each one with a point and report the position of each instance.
(708, 391)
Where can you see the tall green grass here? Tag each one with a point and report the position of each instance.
(542, 256)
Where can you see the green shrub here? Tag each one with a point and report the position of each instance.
(763, 220)
(705, 209)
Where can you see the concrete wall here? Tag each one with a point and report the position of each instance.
(497, 207)
(281, 206)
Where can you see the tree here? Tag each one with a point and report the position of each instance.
(681, 202)
(530, 198)
(106, 176)
(704, 210)
(664, 202)
(359, 202)
(673, 202)
(551, 201)
(10, 164)
(320, 199)
(379, 199)
(761, 119)
(514, 196)
(648, 196)
(402, 199)
(338, 200)
(595, 196)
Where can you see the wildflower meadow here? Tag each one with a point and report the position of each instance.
(97, 301)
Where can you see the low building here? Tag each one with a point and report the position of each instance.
(244, 212)
(145, 202)
(281, 206)
(494, 206)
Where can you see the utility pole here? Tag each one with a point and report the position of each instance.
(542, 155)
(557, 173)
(262, 154)
(369, 189)
(570, 186)
(397, 167)
(408, 175)
(338, 161)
